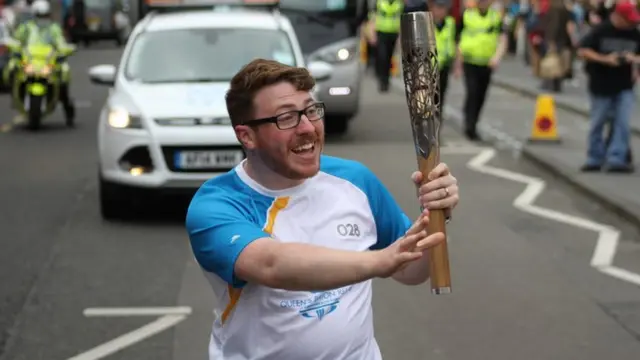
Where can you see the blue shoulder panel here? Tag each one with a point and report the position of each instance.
(225, 215)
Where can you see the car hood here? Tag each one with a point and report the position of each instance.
(180, 99)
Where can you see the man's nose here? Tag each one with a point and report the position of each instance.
(305, 125)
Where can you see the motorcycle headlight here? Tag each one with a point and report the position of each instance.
(337, 54)
(121, 119)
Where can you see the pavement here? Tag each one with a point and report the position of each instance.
(509, 125)
(513, 75)
(75, 287)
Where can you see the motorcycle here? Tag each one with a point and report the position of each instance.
(36, 83)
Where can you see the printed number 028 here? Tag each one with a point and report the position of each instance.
(349, 230)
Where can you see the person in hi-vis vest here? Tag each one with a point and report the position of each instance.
(387, 25)
(445, 42)
(482, 42)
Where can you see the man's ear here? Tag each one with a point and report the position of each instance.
(246, 136)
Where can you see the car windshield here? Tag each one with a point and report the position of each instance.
(98, 4)
(319, 23)
(203, 55)
(314, 6)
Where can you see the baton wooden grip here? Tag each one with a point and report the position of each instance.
(438, 256)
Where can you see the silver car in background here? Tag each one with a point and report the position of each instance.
(341, 92)
(327, 31)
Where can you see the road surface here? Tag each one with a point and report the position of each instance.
(523, 285)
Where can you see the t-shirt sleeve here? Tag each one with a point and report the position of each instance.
(391, 221)
(219, 231)
(590, 41)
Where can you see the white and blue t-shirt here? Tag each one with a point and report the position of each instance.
(346, 207)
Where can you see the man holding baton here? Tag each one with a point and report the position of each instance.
(290, 239)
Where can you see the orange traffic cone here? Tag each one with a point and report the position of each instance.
(545, 126)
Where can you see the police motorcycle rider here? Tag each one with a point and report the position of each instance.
(42, 28)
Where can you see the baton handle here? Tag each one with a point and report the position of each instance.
(438, 256)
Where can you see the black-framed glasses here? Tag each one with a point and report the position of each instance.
(291, 119)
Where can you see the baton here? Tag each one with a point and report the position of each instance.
(422, 89)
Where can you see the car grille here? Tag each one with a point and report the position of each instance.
(202, 159)
(215, 121)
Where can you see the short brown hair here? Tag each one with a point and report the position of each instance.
(256, 75)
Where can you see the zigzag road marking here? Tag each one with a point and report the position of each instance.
(608, 236)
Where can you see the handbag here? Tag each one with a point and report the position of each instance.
(551, 65)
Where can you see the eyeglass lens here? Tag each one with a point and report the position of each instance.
(292, 118)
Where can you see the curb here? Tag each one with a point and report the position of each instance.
(561, 104)
(613, 206)
(556, 171)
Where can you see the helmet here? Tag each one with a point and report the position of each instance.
(41, 8)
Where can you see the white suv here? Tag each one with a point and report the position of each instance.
(164, 125)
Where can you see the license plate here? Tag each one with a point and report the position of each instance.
(218, 159)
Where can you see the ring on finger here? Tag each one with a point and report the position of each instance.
(446, 191)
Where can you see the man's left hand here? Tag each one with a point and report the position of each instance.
(439, 191)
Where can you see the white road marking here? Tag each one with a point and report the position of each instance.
(169, 317)
(150, 311)
(130, 338)
(608, 236)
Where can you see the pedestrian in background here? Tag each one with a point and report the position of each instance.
(532, 19)
(611, 51)
(445, 26)
(387, 24)
(481, 46)
(598, 12)
(559, 30)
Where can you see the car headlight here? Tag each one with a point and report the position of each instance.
(336, 54)
(121, 119)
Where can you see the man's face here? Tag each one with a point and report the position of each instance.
(484, 4)
(439, 12)
(621, 23)
(292, 153)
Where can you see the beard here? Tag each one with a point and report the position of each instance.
(283, 161)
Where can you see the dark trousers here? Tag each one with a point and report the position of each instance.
(385, 46)
(444, 83)
(616, 111)
(477, 79)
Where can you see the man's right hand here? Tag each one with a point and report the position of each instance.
(408, 248)
(611, 59)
